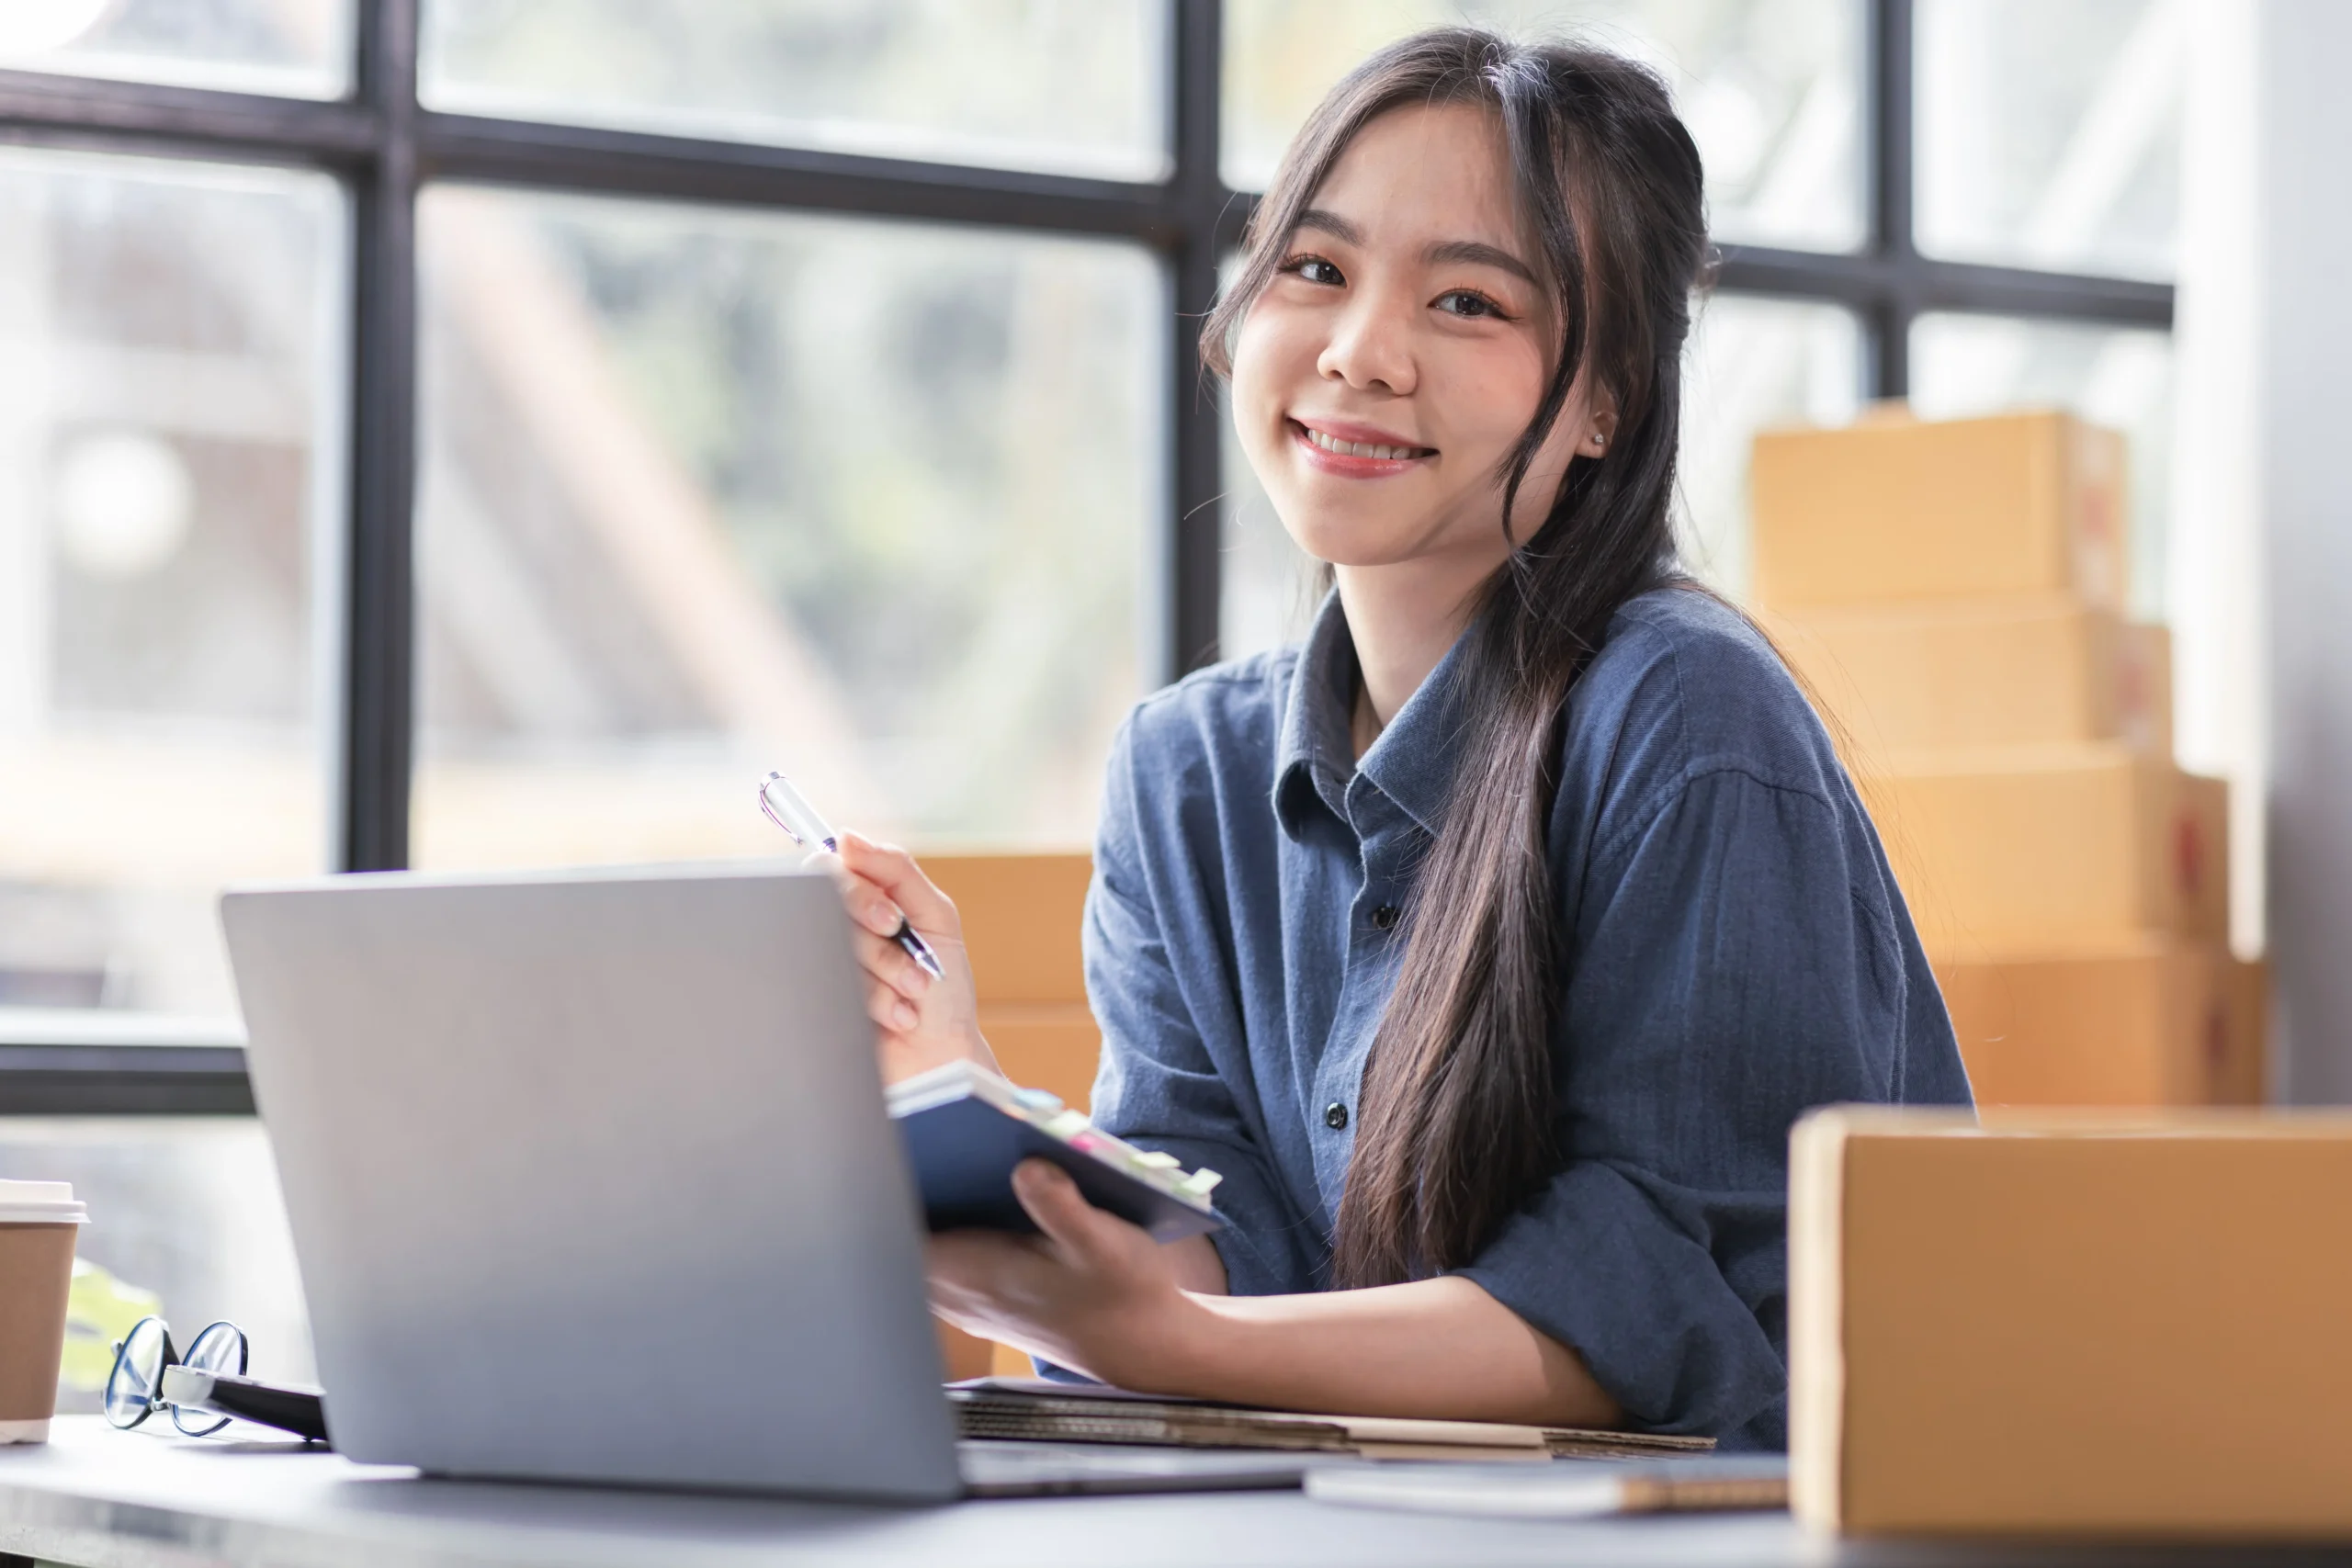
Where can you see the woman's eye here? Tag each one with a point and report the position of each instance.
(1314, 269)
(1463, 302)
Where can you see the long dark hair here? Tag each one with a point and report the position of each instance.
(1455, 1126)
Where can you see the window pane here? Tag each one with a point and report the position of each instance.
(186, 1220)
(2121, 377)
(709, 494)
(1770, 89)
(1753, 364)
(300, 47)
(1072, 86)
(169, 458)
(1266, 585)
(2049, 135)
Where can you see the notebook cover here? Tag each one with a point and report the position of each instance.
(1075, 1413)
(964, 1151)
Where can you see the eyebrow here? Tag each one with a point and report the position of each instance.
(1471, 253)
(1331, 223)
(1475, 254)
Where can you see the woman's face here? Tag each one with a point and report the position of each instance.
(1398, 353)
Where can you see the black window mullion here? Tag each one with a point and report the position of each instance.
(1198, 196)
(601, 161)
(38, 109)
(1894, 171)
(377, 725)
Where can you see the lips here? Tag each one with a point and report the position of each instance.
(1357, 450)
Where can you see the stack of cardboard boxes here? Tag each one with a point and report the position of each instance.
(1953, 594)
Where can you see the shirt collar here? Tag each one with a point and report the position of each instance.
(1315, 757)
(1412, 762)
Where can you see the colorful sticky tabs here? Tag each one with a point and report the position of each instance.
(1067, 1124)
(1200, 1184)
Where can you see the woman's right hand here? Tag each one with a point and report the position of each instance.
(922, 1023)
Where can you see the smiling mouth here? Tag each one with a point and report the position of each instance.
(1338, 448)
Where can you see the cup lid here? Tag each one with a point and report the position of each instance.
(40, 1203)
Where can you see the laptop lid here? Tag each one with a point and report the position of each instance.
(589, 1178)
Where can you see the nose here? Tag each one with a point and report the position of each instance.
(1371, 346)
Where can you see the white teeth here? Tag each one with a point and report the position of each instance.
(1357, 448)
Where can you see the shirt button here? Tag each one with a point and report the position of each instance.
(1335, 1116)
(1384, 916)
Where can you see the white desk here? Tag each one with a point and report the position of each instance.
(97, 1498)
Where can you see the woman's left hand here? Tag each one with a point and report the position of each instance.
(1093, 1293)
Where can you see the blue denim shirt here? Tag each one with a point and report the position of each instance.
(1734, 946)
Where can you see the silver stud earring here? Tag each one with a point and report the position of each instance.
(1598, 439)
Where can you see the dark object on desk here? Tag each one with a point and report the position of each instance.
(1573, 1489)
(301, 1411)
(966, 1129)
(1038, 1411)
(1010, 1469)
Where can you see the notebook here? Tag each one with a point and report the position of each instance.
(1039, 1410)
(965, 1128)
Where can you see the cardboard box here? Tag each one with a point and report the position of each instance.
(2054, 846)
(1904, 508)
(1049, 1046)
(1022, 915)
(962, 1354)
(2151, 1022)
(2245, 1076)
(2070, 1324)
(1968, 672)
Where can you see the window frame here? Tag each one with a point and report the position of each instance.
(383, 146)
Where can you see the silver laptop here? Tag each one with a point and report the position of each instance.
(590, 1179)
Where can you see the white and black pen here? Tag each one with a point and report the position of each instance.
(789, 809)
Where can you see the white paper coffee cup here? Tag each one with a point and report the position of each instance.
(40, 1203)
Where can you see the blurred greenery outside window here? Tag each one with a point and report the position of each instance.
(2049, 135)
(291, 48)
(1770, 89)
(1073, 87)
(170, 477)
(705, 493)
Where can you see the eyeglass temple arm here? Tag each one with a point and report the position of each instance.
(297, 1410)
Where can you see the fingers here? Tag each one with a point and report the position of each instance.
(902, 883)
(870, 909)
(887, 964)
(1061, 1210)
(889, 1010)
(965, 1273)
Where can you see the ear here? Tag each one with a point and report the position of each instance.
(1601, 427)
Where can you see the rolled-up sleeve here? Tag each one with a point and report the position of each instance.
(1160, 1085)
(1737, 957)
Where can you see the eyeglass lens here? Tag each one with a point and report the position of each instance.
(138, 1368)
(220, 1349)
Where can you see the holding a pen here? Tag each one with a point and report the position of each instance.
(907, 938)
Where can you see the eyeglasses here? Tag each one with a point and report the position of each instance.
(134, 1387)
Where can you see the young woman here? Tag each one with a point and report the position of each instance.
(1489, 943)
